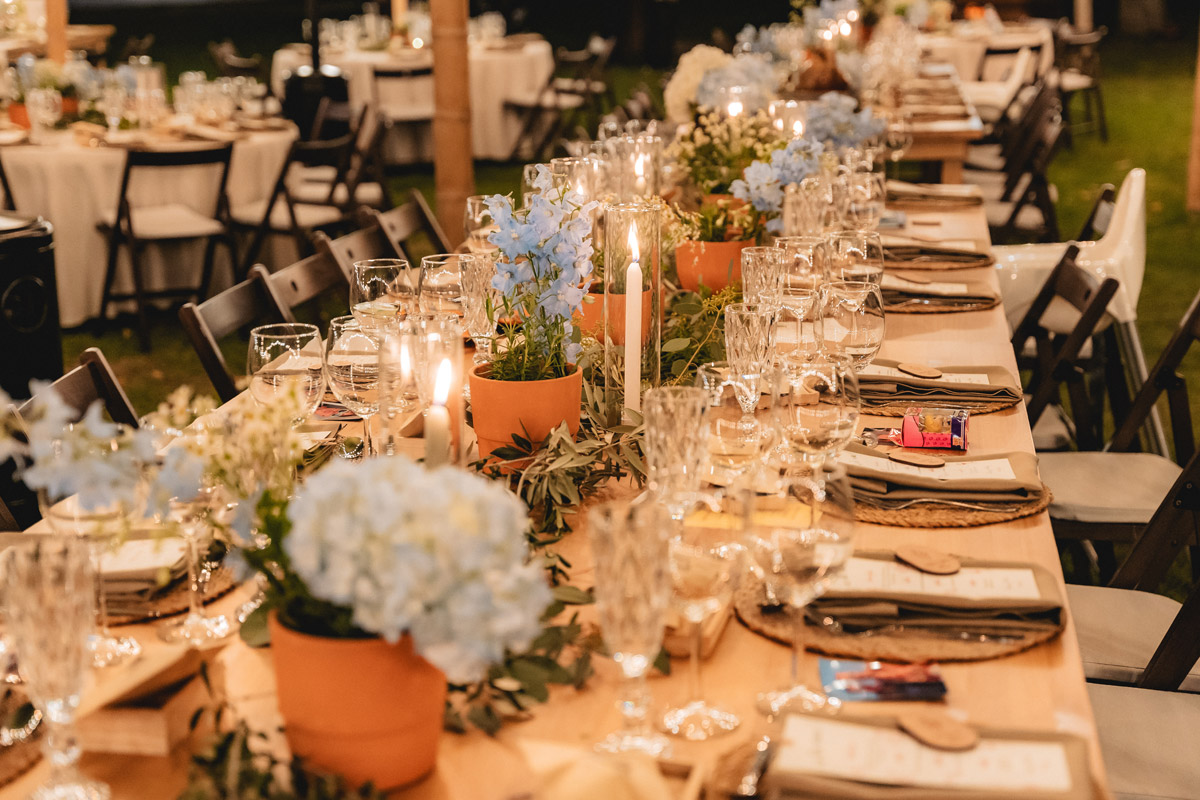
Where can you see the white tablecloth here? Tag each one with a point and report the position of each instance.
(497, 74)
(75, 187)
(965, 46)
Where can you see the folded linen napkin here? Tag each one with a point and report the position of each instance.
(898, 290)
(883, 382)
(1003, 478)
(927, 112)
(837, 758)
(907, 254)
(937, 196)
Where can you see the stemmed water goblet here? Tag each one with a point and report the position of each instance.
(630, 547)
(852, 322)
(284, 358)
(750, 343)
(898, 137)
(49, 586)
(441, 282)
(674, 444)
(479, 300)
(805, 261)
(704, 565)
(383, 291)
(855, 256)
(193, 518)
(352, 370)
(865, 196)
(817, 409)
(800, 560)
(734, 451)
(478, 225)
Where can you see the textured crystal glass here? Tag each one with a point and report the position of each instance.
(799, 555)
(762, 275)
(478, 295)
(749, 336)
(49, 586)
(817, 408)
(633, 587)
(675, 444)
(352, 370)
(852, 322)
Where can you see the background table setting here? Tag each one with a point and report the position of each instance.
(468, 517)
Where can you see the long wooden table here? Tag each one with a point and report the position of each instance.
(1039, 690)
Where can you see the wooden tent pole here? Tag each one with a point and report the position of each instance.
(56, 30)
(1193, 184)
(1084, 20)
(453, 168)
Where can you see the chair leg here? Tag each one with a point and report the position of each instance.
(1101, 120)
(235, 265)
(110, 273)
(210, 252)
(139, 291)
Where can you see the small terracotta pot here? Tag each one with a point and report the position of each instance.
(590, 318)
(18, 113)
(715, 264)
(360, 708)
(529, 409)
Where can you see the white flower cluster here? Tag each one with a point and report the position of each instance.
(713, 150)
(181, 408)
(440, 554)
(679, 95)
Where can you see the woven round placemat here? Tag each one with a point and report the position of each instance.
(18, 757)
(908, 647)
(899, 408)
(934, 515)
(936, 308)
(933, 262)
(175, 600)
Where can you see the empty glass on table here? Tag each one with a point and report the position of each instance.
(865, 196)
(193, 519)
(352, 370)
(285, 358)
(855, 255)
(383, 291)
(763, 275)
(674, 444)
(633, 587)
(852, 322)
(441, 282)
(817, 408)
(735, 437)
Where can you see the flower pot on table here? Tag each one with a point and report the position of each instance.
(360, 708)
(530, 409)
(714, 264)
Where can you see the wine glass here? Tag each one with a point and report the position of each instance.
(674, 445)
(817, 408)
(383, 291)
(49, 587)
(285, 358)
(798, 329)
(352, 369)
(113, 103)
(193, 517)
(852, 321)
(762, 275)
(703, 569)
(855, 256)
(478, 225)
(399, 395)
(800, 560)
(898, 137)
(630, 548)
(734, 448)
(805, 261)
(441, 282)
(865, 197)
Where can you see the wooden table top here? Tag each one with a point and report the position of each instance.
(1038, 690)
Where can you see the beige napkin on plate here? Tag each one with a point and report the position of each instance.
(898, 290)
(882, 382)
(933, 195)
(992, 478)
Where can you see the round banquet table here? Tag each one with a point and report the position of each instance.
(505, 71)
(76, 186)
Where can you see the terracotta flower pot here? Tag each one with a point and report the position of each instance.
(526, 408)
(18, 115)
(360, 708)
(715, 264)
(591, 317)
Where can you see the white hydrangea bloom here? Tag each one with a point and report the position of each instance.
(680, 91)
(440, 554)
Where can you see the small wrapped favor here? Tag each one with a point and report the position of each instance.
(942, 428)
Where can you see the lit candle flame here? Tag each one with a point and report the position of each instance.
(735, 108)
(633, 244)
(798, 128)
(844, 27)
(441, 386)
(852, 14)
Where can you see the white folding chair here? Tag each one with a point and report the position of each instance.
(992, 98)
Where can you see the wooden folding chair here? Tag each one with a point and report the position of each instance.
(404, 224)
(238, 307)
(307, 280)
(361, 245)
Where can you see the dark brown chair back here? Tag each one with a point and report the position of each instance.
(360, 245)
(240, 306)
(306, 280)
(404, 222)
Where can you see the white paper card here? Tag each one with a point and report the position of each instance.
(879, 371)
(140, 557)
(987, 469)
(899, 284)
(877, 755)
(871, 575)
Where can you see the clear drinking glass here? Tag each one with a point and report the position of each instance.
(399, 395)
(193, 518)
(800, 560)
(805, 261)
(478, 295)
(113, 101)
(704, 569)
(855, 256)
(798, 329)
(865, 196)
(762, 275)
(441, 282)
(750, 336)
(352, 369)
(45, 110)
(817, 407)
(633, 586)
(898, 137)
(852, 322)
(383, 291)
(736, 437)
(283, 358)
(478, 225)
(674, 444)
(49, 587)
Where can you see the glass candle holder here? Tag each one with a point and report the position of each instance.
(633, 309)
(638, 164)
(789, 117)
